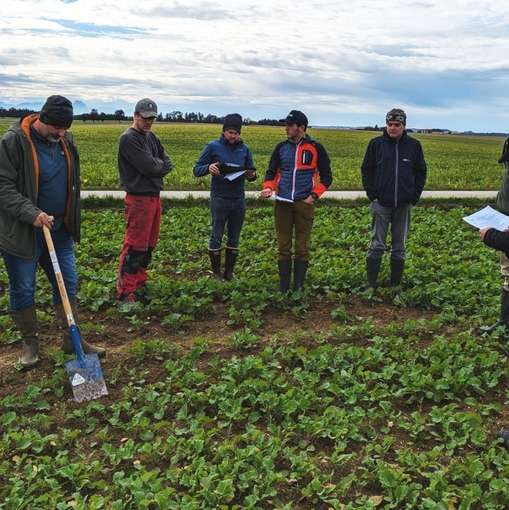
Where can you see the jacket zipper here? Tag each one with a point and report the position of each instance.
(396, 179)
(295, 169)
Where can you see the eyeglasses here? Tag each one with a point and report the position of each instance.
(394, 124)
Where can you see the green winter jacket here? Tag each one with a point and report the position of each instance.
(19, 183)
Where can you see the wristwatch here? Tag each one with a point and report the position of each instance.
(314, 195)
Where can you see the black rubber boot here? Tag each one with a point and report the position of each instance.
(503, 320)
(397, 267)
(215, 262)
(285, 274)
(372, 271)
(26, 322)
(67, 346)
(504, 435)
(300, 268)
(230, 257)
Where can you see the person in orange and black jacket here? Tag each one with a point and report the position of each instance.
(40, 187)
(299, 173)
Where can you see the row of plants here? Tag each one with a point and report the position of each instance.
(327, 399)
(455, 162)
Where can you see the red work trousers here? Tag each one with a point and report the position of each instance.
(143, 220)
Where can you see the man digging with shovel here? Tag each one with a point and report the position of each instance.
(40, 186)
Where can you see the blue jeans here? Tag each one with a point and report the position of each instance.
(229, 213)
(22, 272)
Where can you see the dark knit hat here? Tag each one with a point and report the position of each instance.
(396, 115)
(57, 111)
(296, 117)
(232, 121)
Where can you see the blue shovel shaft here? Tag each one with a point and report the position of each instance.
(76, 343)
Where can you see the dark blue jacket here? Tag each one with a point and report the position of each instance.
(222, 151)
(298, 169)
(394, 172)
(53, 178)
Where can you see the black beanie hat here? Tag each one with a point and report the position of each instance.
(57, 111)
(232, 121)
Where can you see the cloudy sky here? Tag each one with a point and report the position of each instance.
(343, 63)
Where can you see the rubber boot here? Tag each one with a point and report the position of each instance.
(503, 320)
(372, 270)
(26, 322)
(300, 268)
(397, 267)
(504, 435)
(215, 262)
(67, 346)
(230, 257)
(285, 274)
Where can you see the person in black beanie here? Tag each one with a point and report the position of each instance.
(57, 111)
(230, 163)
(40, 186)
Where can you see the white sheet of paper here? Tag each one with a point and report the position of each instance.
(488, 218)
(234, 175)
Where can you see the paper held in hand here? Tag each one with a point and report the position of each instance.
(488, 218)
(233, 176)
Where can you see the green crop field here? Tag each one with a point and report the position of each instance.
(231, 396)
(455, 162)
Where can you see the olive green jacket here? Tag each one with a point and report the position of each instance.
(19, 184)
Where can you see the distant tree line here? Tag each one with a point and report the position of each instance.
(15, 112)
(119, 115)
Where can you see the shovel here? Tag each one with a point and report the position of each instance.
(85, 373)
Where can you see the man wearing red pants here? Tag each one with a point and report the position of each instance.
(142, 164)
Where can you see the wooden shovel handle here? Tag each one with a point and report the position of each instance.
(58, 275)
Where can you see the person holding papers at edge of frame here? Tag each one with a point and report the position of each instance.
(500, 241)
(230, 162)
(299, 173)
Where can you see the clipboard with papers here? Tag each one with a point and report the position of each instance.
(488, 218)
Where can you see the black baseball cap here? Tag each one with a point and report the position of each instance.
(146, 108)
(296, 117)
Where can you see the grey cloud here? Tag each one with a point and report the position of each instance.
(204, 11)
(398, 51)
(14, 56)
(113, 81)
(422, 5)
(13, 80)
(439, 88)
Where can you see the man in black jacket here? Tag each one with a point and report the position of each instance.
(500, 241)
(393, 175)
(142, 164)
